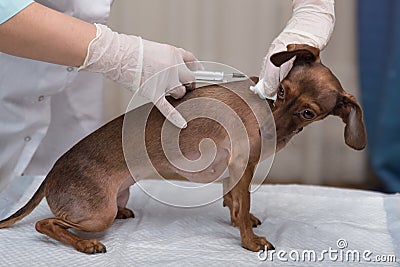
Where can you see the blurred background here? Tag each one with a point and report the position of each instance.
(238, 33)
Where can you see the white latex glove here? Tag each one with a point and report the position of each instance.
(132, 62)
(172, 67)
(312, 23)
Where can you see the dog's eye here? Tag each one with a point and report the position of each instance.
(308, 114)
(281, 92)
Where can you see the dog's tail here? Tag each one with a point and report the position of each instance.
(25, 210)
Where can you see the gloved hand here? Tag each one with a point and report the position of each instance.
(175, 65)
(132, 62)
(312, 23)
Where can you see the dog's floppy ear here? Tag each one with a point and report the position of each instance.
(303, 53)
(350, 111)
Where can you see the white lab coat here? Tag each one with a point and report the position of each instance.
(46, 108)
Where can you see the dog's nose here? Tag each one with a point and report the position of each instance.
(300, 129)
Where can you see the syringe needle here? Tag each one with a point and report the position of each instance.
(238, 75)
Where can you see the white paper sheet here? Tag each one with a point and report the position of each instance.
(294, 218)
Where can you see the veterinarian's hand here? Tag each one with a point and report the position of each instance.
(133, 63)
(166, 70)
(312, 23)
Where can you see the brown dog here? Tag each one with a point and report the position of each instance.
(88, 187)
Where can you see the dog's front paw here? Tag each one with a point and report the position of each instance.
(90, 246)
(257, 243)
(124, 213)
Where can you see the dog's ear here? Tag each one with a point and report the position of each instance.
(303, 53)
(350, 111)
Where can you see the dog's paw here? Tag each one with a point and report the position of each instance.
(90, 246)
(124, 214)
(254, 220)
(257, 243)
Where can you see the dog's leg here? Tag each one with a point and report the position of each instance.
(88, 216)
(240, 212)
(57, 229)
(228, 202)
(123, 212)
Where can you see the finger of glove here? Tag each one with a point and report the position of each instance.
(190, 60)
(171, 113)
(178, 92)
(271, 78)
(185, 76)
(177, 76)
(274, 75)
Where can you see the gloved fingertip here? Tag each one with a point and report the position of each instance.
(171, 114)
(178, 92)
(186, 76)
(176, 118)
(269, 92)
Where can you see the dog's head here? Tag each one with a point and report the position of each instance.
(311, 92)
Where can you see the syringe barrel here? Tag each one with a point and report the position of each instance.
(204, 75)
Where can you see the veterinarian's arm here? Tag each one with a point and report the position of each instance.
(40, 33)
(312, 23)
(33, 31)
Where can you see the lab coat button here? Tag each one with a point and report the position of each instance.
(69, 69)
(27, 139)
(41, 98)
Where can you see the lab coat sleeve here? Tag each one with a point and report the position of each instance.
(8, 9)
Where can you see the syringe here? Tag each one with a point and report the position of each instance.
(217, 76)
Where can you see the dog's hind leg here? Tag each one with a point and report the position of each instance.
(122, 199)
(80, 216)
(57, 228)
